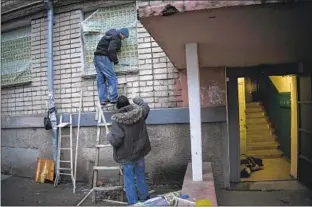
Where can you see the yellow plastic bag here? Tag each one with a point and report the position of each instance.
(45, 170)
(203, 202)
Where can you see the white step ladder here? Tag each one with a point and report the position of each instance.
(68, 150)
(101, 122)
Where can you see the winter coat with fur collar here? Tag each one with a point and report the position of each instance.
(129, 135)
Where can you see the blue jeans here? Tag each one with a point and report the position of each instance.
(105, 73)
(135, 190)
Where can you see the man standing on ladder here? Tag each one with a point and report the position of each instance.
(131, 144)
(104, 58)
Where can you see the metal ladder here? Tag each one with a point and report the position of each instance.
(69, 149)
(101, 122)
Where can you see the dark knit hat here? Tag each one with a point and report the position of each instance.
(124, 31)
(122, 101)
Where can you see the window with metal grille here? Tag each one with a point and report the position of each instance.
(103, 19)
(16, 57)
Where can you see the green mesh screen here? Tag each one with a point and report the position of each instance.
(16, 56)
(98, 23)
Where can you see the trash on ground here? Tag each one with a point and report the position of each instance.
(168, 199)
(203, 202)
(112, 201)
(45, 170)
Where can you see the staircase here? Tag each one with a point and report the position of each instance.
(261, 139)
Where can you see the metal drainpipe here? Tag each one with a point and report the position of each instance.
(49, 6)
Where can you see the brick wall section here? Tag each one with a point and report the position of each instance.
(156, 81)
(66, 61)
(158, 76)
(67, 47)
(31, 99)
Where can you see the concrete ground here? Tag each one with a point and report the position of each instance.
(24, 191)
(258, 198)
(270, 193)
(18, 191)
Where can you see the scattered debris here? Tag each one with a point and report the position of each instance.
(169, 10)
(45, 170)
(151, 191)
(112, 201)
(203, 202)
(99, 183)
(85, 198)
(283, 201)
(249, 164)
(184, 202)
(168, 199)
(3, 177)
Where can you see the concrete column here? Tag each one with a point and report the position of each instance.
(233, 129)
(193, 86)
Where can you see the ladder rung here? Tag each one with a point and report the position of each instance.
(64, 160)
(105, 168)
(103, 125)
(61, 125)
(107, 188)
(65, 148)
(62, 168)
(64, 173)
(103, 145)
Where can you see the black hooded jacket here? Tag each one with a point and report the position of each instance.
(129, 135)
(109, 45)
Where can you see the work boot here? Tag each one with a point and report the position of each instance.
(147, 198)
(105, 103)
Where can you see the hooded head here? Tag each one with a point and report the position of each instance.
(124, 32)
(122, 101)
(127, 113)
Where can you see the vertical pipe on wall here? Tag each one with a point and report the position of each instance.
(49, 6)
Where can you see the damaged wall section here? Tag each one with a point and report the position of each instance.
(166, 163)
(212, 87)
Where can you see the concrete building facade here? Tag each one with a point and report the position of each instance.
(248, 38)
(24, 94)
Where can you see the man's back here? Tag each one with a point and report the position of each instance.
(109, 45)
(129, 135)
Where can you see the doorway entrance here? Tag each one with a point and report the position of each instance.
(265, 127)
(305, 129)
(277, 135)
